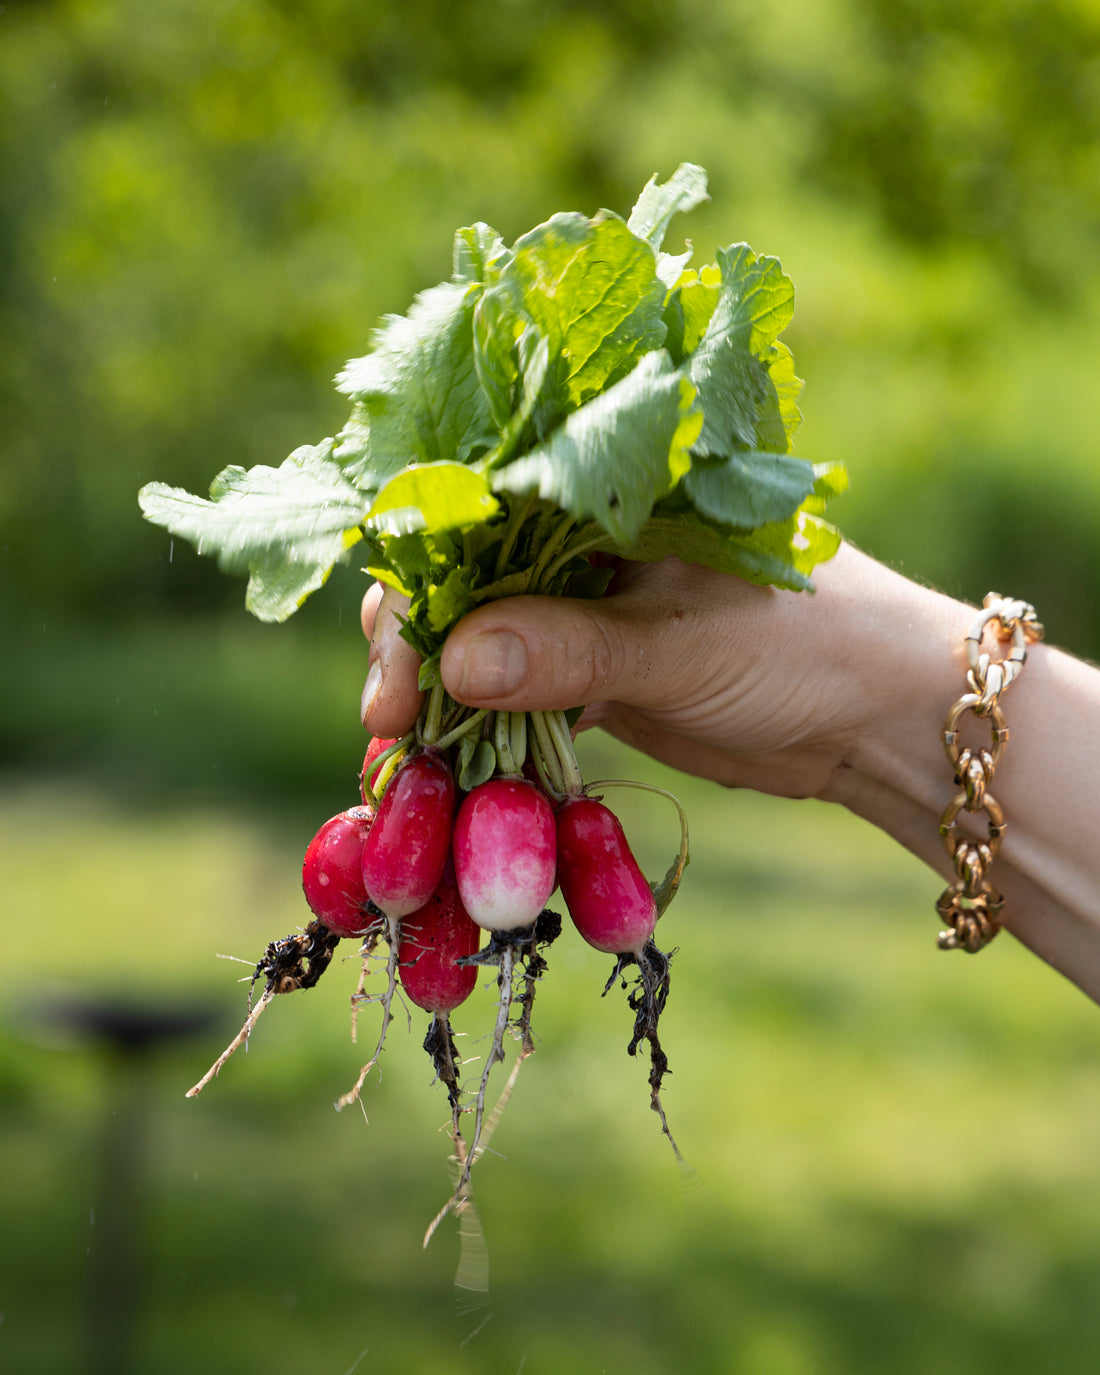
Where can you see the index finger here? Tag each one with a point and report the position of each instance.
(391, 699)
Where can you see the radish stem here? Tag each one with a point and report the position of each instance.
(502, 742)
(384, 764)
(553, 540)
(589, 537)
(515, 524)
(463, 728)
(567, 755)
(518, 738)
(539, 759)
(554, 780)
(433, 712)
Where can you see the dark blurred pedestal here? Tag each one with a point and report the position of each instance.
(125, 1036)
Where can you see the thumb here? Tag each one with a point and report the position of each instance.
(544, 653)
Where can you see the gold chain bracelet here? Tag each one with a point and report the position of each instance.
(970, 905)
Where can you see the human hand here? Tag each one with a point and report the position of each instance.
(839, 695)
(747, 685)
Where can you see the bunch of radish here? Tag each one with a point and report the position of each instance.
(435, 868)
(558, 405)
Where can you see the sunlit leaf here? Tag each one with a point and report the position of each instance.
(432, 496)
(613, 458)
(655, 207)
(591, 288)
(418, 395)
(298, 512)
(478, 255)
(276, 590)
(743, 405)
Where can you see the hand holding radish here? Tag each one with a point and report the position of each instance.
(839, 697)
(746, 685)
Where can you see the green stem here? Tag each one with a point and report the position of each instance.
(383, 766)
(502, 742)
(432, 715)
(511, 533)
(567, 755)
(517, 742)
(546, 756)
(553, 540)
(582, 545)
(463, 728)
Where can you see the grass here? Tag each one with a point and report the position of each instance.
(892, 1150)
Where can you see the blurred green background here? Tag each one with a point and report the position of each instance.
(205, 209)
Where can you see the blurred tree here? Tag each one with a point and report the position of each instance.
(205, 208)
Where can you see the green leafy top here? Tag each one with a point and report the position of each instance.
(582, 391)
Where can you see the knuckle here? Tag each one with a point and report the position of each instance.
(596, 657)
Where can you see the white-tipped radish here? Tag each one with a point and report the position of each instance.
(505, 853)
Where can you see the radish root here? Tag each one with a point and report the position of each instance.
(234, 1045)
(360, 996)
(506, 950)
(647, 1001)
(293, 962)
(386, 999)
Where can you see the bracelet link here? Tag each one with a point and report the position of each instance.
(971, 906)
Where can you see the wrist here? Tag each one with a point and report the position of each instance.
(895, 773)
(905, 664)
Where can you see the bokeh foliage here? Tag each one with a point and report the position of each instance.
(204, 209)
(892, 1151)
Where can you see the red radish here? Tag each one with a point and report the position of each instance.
(368, 776)
(505, 854)
(432, 940)
(609, 899)
(332, 872)
(408, 845)
(614, 909)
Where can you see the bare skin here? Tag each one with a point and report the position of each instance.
(840, 695)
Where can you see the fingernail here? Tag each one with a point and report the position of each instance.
(371, 689)
(494, 664)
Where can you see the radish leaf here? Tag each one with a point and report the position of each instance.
(730, 366)
(300, 509)
(418, 395)
(592, 290)
(613, 458)
(750, 488)
(578, 391)
(277, 588)
(655, 207)
(478, 255)
(434, 496)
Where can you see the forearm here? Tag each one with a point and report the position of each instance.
(896, 774)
